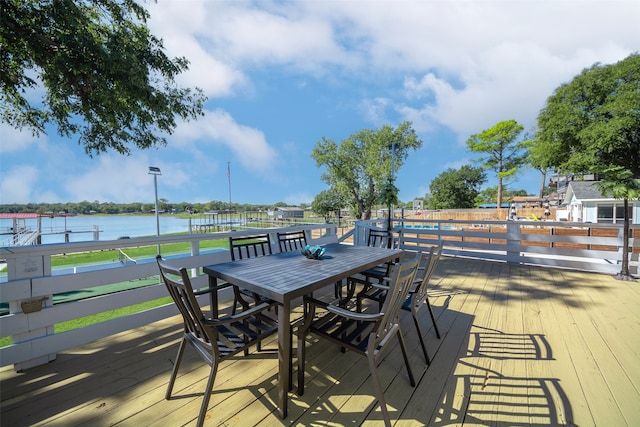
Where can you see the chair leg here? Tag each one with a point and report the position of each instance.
(301, 362)
(433, 319)
(176, 365)
(207, 394)
(412, 380)
(420, 336)
(378, 390)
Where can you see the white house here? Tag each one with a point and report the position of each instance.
(585, 203)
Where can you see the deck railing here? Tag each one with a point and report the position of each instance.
(32, 284)
(32, 280)
(582, 246)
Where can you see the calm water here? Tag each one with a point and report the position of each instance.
(110, 226)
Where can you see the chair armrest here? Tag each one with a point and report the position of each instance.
(380, 286)
(241, 315)
(316, 302)
(343, 311)
(366, 317)
(212, 288)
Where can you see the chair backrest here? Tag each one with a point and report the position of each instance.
(249, 246)
(402, 277)
(382, 239)
(292, 241)
(214, 339)
(179, 286)
(428, 265)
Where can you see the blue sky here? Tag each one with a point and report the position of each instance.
(280, 75)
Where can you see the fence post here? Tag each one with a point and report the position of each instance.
(26, 266)
(513, 242)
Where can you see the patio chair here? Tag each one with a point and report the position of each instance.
(247, 247)
(418, 295)
(292, 241)
(213, 339)
(376, 238)
(367, 334)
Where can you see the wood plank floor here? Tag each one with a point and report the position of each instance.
(521, 346)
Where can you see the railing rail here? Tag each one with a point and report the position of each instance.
(31, 278)
(583, 246)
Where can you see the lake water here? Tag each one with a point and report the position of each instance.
(110, 226)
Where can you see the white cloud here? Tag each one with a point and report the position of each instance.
(12, 140)
(17, 184)
(181, 25)
(276, 35)
(126, 179)
(480, 62)
(248, 145)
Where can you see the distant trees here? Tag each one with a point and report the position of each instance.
(489, 195)
(456, 188)
(99, 74)
(360, 165)
(327, 203)
(592, 125)
(98, 207)
(504, 154)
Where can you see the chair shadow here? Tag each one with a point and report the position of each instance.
(506, 346)
(479, 393)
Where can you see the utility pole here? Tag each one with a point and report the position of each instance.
(229, 179)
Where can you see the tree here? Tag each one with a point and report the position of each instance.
(592, 125)
(538, 164)
(456, 188)
(327, 203)
(504, 154)
(360, 165)
(105, 78)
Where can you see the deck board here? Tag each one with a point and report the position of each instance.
(521, 346)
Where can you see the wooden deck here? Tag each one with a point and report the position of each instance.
(521, 346)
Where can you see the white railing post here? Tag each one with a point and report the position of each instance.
(513, 242)
(27, 266)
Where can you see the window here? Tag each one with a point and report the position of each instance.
(612, 213)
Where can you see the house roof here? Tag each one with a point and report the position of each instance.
(583, 190)
(19, 215)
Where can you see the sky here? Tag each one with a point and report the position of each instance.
(282, 75)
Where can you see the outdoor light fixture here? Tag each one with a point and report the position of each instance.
(155, 172)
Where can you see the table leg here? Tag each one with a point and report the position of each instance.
(284, 356)
(213, 297)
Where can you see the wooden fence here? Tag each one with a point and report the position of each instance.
(583, 246)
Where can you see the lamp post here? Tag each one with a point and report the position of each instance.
(155, 172)
(392, 148)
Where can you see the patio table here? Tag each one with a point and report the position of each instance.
(285, 276)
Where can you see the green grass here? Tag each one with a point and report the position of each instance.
(111, 255)
(100, 317)
(108, 315)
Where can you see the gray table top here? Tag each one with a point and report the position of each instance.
(285, 276)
